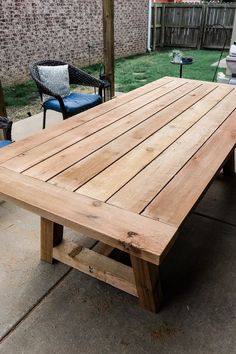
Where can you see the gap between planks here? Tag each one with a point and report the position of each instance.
(104, 157)
(37, 164)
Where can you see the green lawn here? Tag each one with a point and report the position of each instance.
(130, 73)
(135, 71)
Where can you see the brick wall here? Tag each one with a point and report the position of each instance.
(71, 30)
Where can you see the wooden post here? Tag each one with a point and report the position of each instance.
(163, 10)
(3, 111)
(203, 28)
(154, 27)
(147, 279)
(108, 39)
(51, 236)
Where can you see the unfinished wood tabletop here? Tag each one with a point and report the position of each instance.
(129, 171)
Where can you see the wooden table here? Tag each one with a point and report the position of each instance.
(126, 173)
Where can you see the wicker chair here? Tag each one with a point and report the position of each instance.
(6, 127)
(77, 76)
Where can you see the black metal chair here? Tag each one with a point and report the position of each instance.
(75, 102)
(6, 127)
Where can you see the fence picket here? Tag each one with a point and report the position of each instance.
(190, 25)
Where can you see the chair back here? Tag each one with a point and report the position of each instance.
(35, 72)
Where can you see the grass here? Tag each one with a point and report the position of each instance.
(20, 95)
(130, 73)
(136, 71)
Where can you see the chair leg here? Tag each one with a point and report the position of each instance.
(44, 117)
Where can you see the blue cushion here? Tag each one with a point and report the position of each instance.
(4, 143)
(74, 103)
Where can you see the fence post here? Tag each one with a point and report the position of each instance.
(233, 38)
(3, 111)
(203, 25)
(163, 25)
(154, 27)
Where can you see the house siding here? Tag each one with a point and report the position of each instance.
(70, 30)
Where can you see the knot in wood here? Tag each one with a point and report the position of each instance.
(132, 233)
(97, 203)
(127, 246)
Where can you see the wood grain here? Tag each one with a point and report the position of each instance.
(97, 266)
(147, 279)
(51, 236)
(64, 145)
(194, 177)
(76, 175)
(109, 181)
(118, 228)
(140, 191)
(53, 165)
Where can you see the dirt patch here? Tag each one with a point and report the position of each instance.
(18, 113)
(164, 332)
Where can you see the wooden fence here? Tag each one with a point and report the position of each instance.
(190, 25)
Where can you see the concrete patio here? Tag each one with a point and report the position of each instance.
(54, 309)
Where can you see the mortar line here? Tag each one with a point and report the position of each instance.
(213, 218)
(33, 307)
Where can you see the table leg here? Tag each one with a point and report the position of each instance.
(148, 284)
(51, 236)
(229, 167)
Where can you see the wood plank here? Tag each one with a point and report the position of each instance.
(51, 166)
(78, 174)
(147, 279)
(129, 232)
(51, 236)
(43, 136)
(102, 248)
(109, 181)
(97, 266)
(68, 139)
(139, 192)
(208, 159)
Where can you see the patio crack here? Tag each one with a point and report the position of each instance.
(214, 218)
(34, 306)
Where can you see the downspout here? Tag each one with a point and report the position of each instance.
(149, 26)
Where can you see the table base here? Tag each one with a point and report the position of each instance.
(142, 279)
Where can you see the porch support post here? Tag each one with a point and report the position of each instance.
(108, 40)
